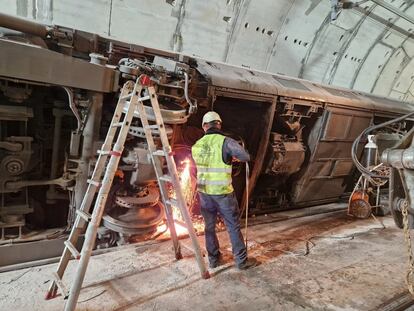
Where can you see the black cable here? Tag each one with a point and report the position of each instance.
(362, 169)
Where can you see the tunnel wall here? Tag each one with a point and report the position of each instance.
(367, 48)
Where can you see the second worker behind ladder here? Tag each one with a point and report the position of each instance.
(213, 155)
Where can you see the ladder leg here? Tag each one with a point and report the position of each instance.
(186, 215)
(173, 232)
(163, 190)
(168, 212)
(176, 183)
(63, 262)
(88, 245)
(196, 246)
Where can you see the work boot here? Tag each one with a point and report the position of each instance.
(248, 263)
(216, 263)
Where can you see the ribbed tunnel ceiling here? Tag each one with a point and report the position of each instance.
(367, 48)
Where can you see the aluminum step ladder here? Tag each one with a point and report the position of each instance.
(170, 177)
(129, 102)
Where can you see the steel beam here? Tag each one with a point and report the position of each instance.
(23, 25)
(33, 63)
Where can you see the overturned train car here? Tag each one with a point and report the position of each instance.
(58, 89)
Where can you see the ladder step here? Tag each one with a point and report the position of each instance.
(126, 97)
(60, 285)
(152, 127)
(166, 178)
(159, 153)
(141, 99)
(84, 215)
(93, 182)
(117, 124)
(72, 249)
(110, 152)
(103, 152)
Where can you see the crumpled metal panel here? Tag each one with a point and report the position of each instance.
(238, 78)
(227, 76)
(232, 77)
(32, 63)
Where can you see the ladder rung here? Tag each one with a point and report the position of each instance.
(159, 153)
(93, 182)
(152, 127)
(84, 215)
(126, 96)
(166, 178)
(141, 99)
(103, 152)
(172, 202)
(117, 124)
(72, 249)
(110, 152)
(60, 285)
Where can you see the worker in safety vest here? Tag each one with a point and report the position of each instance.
(213, 155)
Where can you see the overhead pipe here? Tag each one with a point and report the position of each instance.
(381, 3)
(24, 25)
(394, 10)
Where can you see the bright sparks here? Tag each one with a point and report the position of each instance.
(187, 189)
(185, 182)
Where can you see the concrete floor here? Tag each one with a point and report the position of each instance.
(351, 265)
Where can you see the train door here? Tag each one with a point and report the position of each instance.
(246, 118)
(324, 180)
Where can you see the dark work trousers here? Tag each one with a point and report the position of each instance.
(226, 205)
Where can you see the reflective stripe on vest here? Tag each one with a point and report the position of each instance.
(213, 175)
(213, 182)
(213, 170)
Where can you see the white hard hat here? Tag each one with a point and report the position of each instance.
(211, 116)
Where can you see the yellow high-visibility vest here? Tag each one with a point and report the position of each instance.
(213, 175)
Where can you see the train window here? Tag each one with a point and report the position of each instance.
(293, 84)
(343, 126)
(337, 126)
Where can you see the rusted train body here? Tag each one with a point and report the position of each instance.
(58, 88)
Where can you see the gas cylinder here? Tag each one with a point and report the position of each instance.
(370, 152)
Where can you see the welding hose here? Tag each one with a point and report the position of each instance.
(247, 203)
(354, 150)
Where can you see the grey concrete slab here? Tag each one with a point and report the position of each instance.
(351, 265)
